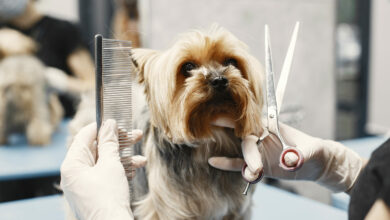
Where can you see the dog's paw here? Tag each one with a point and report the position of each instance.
(3, 135)
(39, 133)
(3, 139)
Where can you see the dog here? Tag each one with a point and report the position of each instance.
(204, 75)
(26, 103)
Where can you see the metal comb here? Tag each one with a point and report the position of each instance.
(114, 90)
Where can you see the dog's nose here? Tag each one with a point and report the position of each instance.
(219, 83)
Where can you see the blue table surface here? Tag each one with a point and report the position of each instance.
(41, 208)
(22, 161)
(273, 203)
(269, 203)
(365, 146)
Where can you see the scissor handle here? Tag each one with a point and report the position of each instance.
(297, 152)
(261, 175)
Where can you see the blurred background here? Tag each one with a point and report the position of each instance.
(341, 47)
(337, 87)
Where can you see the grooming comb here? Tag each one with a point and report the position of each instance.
(114, 85)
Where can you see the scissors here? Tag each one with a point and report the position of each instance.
(274, 103)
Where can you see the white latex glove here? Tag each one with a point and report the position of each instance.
(97, 189)
(327, 162)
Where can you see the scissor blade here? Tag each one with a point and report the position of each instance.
(286, 68)
(271, 100)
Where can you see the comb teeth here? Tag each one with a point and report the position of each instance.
(114, 85)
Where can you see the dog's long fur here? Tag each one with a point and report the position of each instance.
(178, 138)
(177, 182)
(26, 105)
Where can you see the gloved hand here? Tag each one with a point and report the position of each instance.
(327, 162)
(97, 188)
(57, 79)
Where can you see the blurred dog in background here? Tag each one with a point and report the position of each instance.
(27, 105)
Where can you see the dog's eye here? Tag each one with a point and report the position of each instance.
(186, 68)
(230, 61)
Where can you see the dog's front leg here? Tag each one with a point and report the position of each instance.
(39, 128)
(39, 132)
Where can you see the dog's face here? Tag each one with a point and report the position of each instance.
(203, 76)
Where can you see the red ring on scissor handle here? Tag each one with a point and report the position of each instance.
(261, 175)
(297, 152)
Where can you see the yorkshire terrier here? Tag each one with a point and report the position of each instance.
(205, 75)
(26, 104)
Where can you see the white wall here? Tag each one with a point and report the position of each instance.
(311, 85)
(379, 89)
(64, 9)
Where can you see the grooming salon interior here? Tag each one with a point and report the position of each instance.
(207, 109)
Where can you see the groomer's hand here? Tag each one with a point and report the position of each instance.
(62, 83)
(93, 178)
(327, 162)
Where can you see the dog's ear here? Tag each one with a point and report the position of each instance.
(140, 58)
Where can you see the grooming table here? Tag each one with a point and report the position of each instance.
(364, 147)
(269, 203)
(41, 208)
(20, 161)
(273, 203)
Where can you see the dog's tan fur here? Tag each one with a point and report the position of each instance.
(179, 139)
(26, 105)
